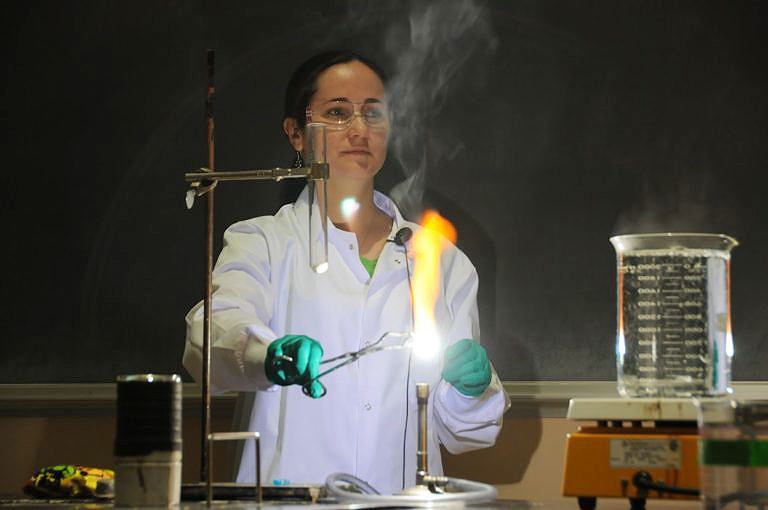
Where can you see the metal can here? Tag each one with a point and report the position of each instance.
(148, 440)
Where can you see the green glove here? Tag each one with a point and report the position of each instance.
(466, 367)
(295, 359)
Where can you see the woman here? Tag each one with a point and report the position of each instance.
(273, 317)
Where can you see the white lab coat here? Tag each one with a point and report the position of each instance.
(264, 288)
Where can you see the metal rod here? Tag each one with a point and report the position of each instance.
(209, 482)
(205, 447)
(232, 436)
(258, 468)
(247, 175)
(422, 397)
(314, 171)
(204, 183)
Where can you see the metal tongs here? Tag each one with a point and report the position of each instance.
(351, 357)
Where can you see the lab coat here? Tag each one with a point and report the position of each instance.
(366, 425)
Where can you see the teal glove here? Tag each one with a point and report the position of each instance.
(295, 359)
(466, 367)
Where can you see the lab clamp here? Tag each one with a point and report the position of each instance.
(203, 182)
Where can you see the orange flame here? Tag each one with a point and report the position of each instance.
(428, 243)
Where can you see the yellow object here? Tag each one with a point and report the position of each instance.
(69, 481)
(603, 461)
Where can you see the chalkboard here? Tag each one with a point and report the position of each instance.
(555, 125)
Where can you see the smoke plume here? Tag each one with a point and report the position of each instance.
(676, 203)
(442, 47)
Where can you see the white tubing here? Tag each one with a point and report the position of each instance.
(469, 492)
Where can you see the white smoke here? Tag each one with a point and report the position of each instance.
(433, 52)
(678, 204)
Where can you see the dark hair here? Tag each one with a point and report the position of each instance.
(303, 83)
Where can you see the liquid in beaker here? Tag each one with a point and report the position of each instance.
(673, 313)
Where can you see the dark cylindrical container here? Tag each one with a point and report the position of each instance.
(148, 414)
(148, 440)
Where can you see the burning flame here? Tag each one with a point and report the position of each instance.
(427, 244)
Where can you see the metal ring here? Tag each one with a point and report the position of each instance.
(305, 388)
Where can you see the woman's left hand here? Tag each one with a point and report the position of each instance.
(467, 368)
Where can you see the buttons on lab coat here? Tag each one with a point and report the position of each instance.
(362, 316)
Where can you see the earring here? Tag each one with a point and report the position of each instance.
(298, 161)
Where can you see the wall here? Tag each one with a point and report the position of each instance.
(31, 442)
(525, 458)
(553, 126)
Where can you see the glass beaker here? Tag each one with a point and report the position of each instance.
(733, 453)
(673, 314)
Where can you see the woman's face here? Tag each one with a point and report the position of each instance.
(356, 150)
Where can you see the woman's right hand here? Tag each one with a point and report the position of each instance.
(295, 359)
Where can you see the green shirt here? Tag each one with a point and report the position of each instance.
(368, 264)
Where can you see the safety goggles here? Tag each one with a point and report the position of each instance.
(340, 114)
